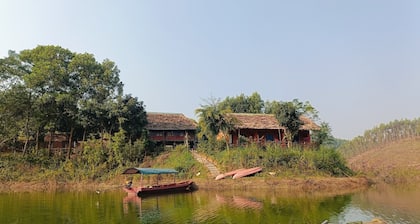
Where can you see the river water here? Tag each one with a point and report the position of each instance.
(389, 204)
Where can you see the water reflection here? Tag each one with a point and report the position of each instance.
(239, 201)
(390, 205)
(235, 207)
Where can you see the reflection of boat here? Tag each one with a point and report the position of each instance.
(184, 186)
(247, 202)
(240, 202)
(247, 172)
(231, 173)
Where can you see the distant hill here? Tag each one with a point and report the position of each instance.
(381, 135)
(396, 162)
(389, 152)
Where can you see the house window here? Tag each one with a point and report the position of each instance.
(269, 137)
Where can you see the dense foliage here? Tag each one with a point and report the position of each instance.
(49, 90)
(294, 161)
(381, 135)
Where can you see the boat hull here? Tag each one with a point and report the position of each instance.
(247, 172)
(186, 186)
(231, 173)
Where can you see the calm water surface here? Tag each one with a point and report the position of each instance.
(391, 205)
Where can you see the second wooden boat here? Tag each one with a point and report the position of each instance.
(247, 172)
(231, 173)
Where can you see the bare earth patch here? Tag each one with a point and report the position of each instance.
(398, 162)
(310, 184)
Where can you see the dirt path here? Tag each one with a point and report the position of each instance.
(210, 166)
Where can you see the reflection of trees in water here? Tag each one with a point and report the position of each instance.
(268, 207)
(240, 207)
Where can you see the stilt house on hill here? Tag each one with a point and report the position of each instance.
(170, 129)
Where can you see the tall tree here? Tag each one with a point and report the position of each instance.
(213, 120)
(133, 117)
(243, 104)
(323, 136)
(69, 90)
(288, 114)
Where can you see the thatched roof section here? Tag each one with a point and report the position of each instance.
(308, 124)
(169, 121)
(255, 121)
(266, 121)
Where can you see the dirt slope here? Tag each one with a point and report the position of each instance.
(398, 162)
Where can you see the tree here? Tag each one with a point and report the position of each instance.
(134, 118)
(323, 135)
(289, 113)
(59, 90)
(214, 120)
(16, 103)
(243, 104)
(288, 116)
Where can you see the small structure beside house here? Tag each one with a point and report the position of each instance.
(304, 135)
(59, 140)
(170, 129)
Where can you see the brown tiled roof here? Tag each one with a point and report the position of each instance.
(255, 121)
(308, 124)
(169, 121)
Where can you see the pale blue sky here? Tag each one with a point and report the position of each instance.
(357, 62)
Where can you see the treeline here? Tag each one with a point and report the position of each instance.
(381, 135)
(50, 90)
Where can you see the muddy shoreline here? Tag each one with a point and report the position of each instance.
(309, 184)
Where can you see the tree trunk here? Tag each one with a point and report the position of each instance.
(70, 143)
(37, 140)
(50, 143)
(26, 133)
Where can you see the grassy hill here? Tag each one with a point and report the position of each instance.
(395, 162)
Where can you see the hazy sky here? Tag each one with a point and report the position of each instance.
(357, 62)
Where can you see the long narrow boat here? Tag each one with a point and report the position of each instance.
(231, 173)
(184, 186)
(247, 172)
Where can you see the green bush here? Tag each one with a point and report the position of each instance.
(294, 161)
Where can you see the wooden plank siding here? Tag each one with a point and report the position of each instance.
(171, 128)
(263, 128)
(259, 128)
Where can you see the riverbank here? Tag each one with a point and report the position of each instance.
(307, 184)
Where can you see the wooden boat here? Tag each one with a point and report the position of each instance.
(175, 187)
(231, 173)
(247, 172)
